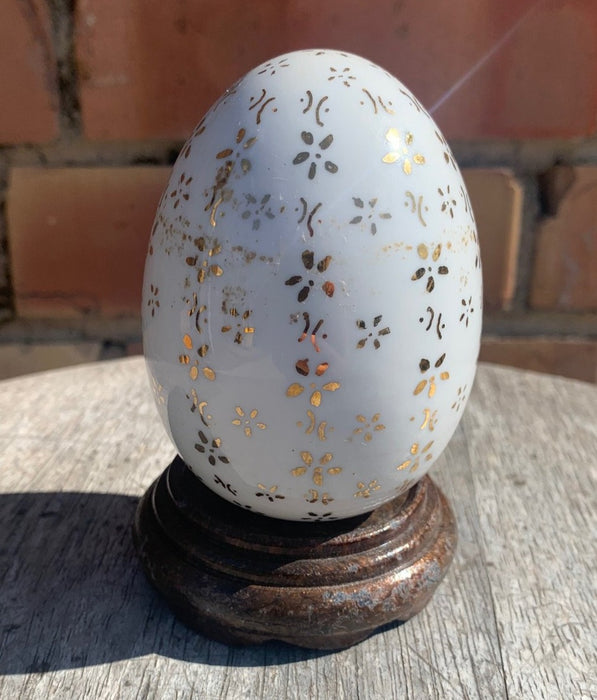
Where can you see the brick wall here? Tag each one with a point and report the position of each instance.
(98, 96)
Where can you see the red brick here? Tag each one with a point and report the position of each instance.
(151, 69)
(565, 266)
(498, 68)
(496, 197)
(133, 349)
(78, 238)
(24, 358)
(541, 83)
(28, 93)
(576, 359)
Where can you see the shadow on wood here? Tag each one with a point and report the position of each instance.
(73, 594)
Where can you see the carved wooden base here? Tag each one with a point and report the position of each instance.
(243, 578)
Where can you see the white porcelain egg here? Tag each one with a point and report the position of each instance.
(312, 294)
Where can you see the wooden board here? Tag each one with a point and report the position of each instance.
(514, 618)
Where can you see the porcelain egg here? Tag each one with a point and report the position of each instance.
(312, 292)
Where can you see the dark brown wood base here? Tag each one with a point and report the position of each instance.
(243, 578)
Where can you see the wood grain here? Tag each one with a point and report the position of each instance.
(514, 618)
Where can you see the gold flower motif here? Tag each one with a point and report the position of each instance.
(400, 151)
(316, 397)
(203, 263)
(418, 455)
(319, 471)
(364, 490)
(185, 358)
(368, 427)
(248, 420)
(269, 492)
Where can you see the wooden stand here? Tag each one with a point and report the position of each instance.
(243, 578)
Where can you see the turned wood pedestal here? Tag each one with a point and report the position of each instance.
(244, 578)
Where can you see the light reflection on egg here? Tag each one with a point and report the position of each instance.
(312, 294)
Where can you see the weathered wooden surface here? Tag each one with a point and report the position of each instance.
(514, 618)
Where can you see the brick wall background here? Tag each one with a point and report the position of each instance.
(98, 96)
